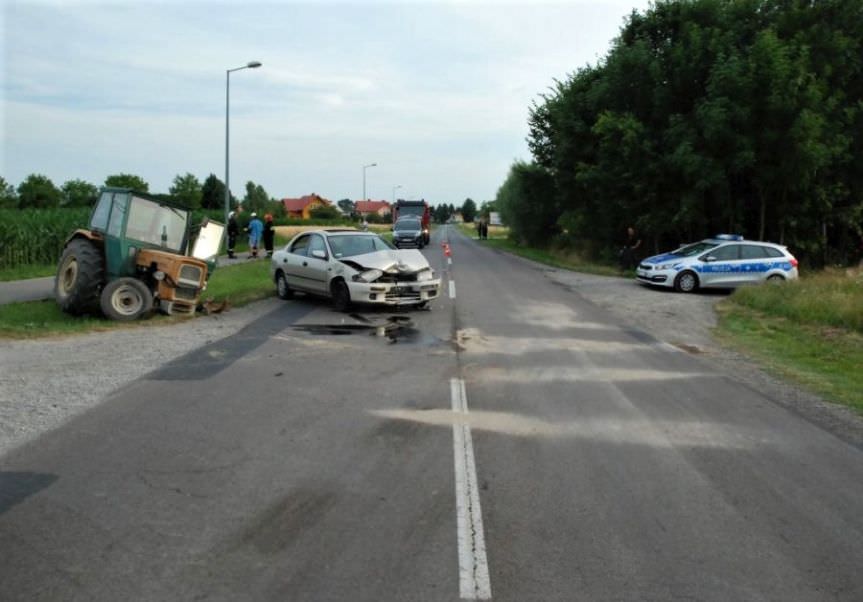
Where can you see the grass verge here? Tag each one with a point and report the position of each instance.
(239, 284)
(809, 331)
(23, 272)
(559, 258)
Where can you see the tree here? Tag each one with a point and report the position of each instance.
(186, 190)
(8, 197)
(38, 192)
(468, 210)
(213, 193)
(526, 203)
(125, 180)
(256, 198)
(347, 206)
(78, 193)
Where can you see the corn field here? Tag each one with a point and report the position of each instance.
(36, 236)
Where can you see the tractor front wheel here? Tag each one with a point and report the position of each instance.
(126, 299)
(79, 276)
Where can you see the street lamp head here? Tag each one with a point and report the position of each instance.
(253, 64)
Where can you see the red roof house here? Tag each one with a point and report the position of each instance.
(367, 207)
(303, 206)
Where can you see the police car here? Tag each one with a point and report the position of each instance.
(725, 261)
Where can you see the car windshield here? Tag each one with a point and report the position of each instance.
(358, 244)
(408, 224)
(695, 249)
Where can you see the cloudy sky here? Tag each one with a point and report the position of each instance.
(437, 94)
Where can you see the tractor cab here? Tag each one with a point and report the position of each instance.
(135, 255)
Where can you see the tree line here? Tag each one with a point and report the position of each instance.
(705, 116)
(39, 192)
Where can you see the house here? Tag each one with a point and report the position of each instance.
(365, 208)
(302, 207)
(457, 217)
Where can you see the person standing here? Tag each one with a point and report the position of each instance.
(269, 234)
(255, 229)
(629, 252)
(233, 232)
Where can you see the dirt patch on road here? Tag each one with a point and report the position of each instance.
(687, 322)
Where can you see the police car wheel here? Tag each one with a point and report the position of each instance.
(775, 279)
(686, 282)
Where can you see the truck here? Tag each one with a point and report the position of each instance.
(418, 208)
(136, 255)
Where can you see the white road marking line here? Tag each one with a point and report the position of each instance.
(452, 289)
(474, 583)
(449, 260)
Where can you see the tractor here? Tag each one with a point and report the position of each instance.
(133, 257)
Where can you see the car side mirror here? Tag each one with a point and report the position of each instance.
(319, 254)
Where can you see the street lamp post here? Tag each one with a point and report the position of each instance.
(249, 65)
(394, 192)
(364, 177)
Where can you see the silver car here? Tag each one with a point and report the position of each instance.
(725, 261)
(349, 266)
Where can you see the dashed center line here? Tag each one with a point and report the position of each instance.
(452, 289)
(474, 583)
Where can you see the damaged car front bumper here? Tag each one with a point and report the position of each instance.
(395, 293)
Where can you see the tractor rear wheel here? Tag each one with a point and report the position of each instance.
(79, 277)
(126, 299)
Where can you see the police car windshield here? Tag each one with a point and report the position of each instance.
(695, 249)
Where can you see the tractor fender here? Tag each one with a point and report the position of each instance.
(82, 233)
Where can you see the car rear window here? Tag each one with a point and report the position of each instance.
(754, 252)
(774, 252)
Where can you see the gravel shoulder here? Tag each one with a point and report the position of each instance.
(45, 382)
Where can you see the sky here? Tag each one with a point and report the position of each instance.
(436, 94)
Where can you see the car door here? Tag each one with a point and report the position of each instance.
(316, 266)
(292, 262)
(721, 267)
(755, 262)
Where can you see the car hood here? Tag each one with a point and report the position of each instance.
(392, 261)
(663, 258)
(407, 232)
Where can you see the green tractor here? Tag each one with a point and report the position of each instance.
(134, 257)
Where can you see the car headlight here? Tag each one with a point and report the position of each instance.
(425, 275)
(665, 266)
(368, 276)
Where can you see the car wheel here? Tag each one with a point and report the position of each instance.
(686, 282)
(341, 295)
(126, 299)
(775, 279)
(282, 289)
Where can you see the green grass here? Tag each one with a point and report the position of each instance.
(23, 272)
(247, 281)
(829, 298)
(243, 282)
(809, 331)
(823, 359)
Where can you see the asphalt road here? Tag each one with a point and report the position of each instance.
(514, 442)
